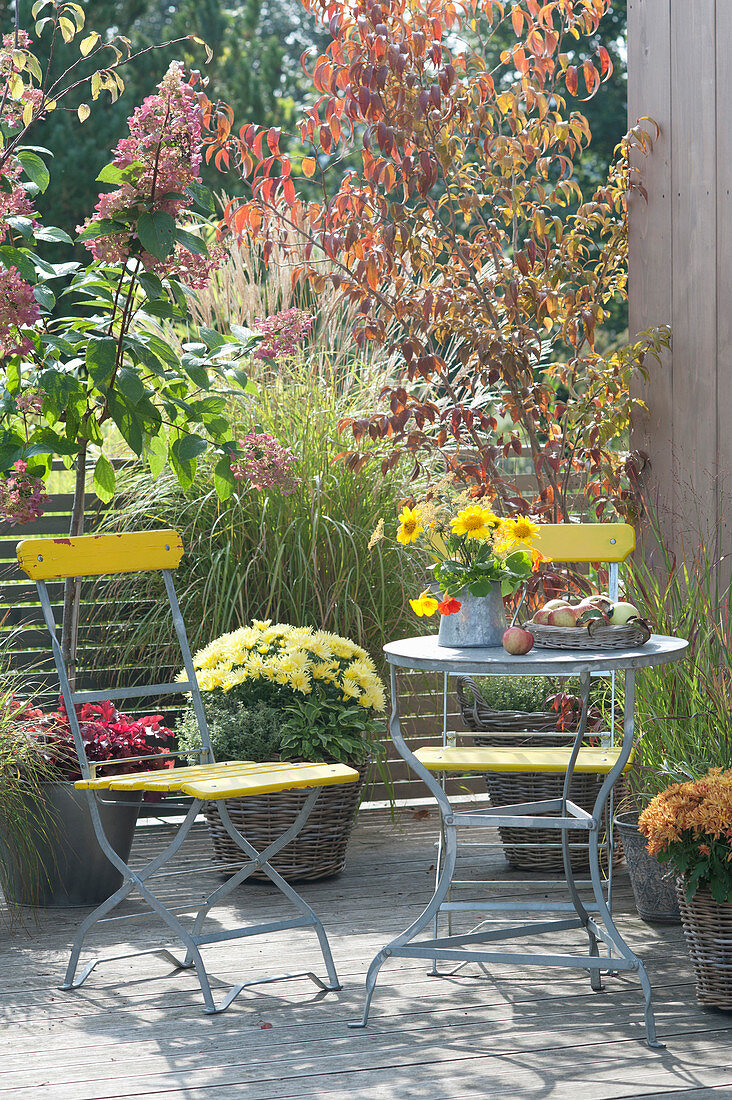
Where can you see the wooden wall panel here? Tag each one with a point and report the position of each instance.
(680, 248)
(651, 267)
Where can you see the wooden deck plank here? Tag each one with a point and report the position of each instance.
(521, 1033)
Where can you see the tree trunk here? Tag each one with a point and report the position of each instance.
(72, 586)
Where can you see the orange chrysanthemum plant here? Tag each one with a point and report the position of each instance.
(689, 826)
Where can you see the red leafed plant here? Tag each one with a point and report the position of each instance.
(107, 735)
(462, 239)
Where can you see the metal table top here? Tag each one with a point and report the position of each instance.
(424, 653)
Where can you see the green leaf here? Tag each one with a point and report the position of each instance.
(44, 296)
(202, 197)
(157, 233)
(127, 420)
(211, 338)
(151, 284)
(130, 384)
(104, 479)
(34, 169)
(245, 335)
(104, 227)
(101, 357)
(156, 453)
(14, 257)
(159, 307)
(224, 480)
(53, 234)
(190, 447)
(111, 174)
(191, 242)
(21, 225)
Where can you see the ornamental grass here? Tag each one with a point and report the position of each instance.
(689, 826)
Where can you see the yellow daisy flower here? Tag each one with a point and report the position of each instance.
(410, 527)
(520, 532)
(475, 523)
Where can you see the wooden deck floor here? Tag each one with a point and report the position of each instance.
(135, 1030)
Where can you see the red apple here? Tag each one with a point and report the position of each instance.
(564, 616)
(541, 618)
(555, 604)
(516, 640)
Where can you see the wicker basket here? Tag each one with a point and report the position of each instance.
(319, 849)
(507, 788)
(708, 931)
(580, 637)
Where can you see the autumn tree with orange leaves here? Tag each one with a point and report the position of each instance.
(462, 239)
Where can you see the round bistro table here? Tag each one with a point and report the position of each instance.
(427, 655)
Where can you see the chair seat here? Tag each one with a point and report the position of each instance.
(552, 760)
(232, 779)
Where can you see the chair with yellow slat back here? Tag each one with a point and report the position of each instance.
(610, 544)
(161, 551)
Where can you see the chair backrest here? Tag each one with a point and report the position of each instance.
(571, 542)
(93, 556)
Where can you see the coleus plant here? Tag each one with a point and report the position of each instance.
(107, 736)
(461, 238)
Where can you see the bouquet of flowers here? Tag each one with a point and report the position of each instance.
(470, 546)
(325, 687)
(689, 826)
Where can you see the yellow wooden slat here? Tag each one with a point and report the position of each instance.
(551, 760)
(93, 555)
(569, 542)
(232, 779)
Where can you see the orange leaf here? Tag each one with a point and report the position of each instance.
(571, 79)
(517, 21)
(309, 164)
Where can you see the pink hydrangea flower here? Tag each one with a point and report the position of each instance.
(283, 332)
(265, 463)
(22, 497)
(163, 156)
(18, 308)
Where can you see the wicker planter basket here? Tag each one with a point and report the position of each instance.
(628, 636)
(707, 928)
(318, 851)
(507, 788)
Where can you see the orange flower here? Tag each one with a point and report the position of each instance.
(425, 604)
(536, 559)
(449, 605)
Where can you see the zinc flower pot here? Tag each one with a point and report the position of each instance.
(480, 621)
(70, 868)
(654, 890)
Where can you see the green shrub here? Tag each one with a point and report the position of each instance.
(238, 731)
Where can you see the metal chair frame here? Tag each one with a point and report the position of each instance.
(193, 939)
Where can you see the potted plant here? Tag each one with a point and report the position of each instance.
(273, 691)
(476, 558)
(689, 827)
(61, 863)
(526, 706)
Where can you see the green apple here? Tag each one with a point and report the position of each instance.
(621, 613)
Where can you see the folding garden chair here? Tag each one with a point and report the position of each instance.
(95, 555)
(609, 544)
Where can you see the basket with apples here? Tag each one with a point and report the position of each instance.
(595, 622)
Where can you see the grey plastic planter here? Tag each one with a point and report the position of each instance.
(654, 892)
(71, 869)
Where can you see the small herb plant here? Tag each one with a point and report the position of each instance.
(237, 731)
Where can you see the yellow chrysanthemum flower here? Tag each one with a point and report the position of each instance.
(410, 527)
(475, 523)
(300, 681)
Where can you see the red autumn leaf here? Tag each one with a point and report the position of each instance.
(571, 80)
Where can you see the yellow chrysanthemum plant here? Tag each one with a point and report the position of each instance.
(471, 549)
(689, 826)
(326, 688)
